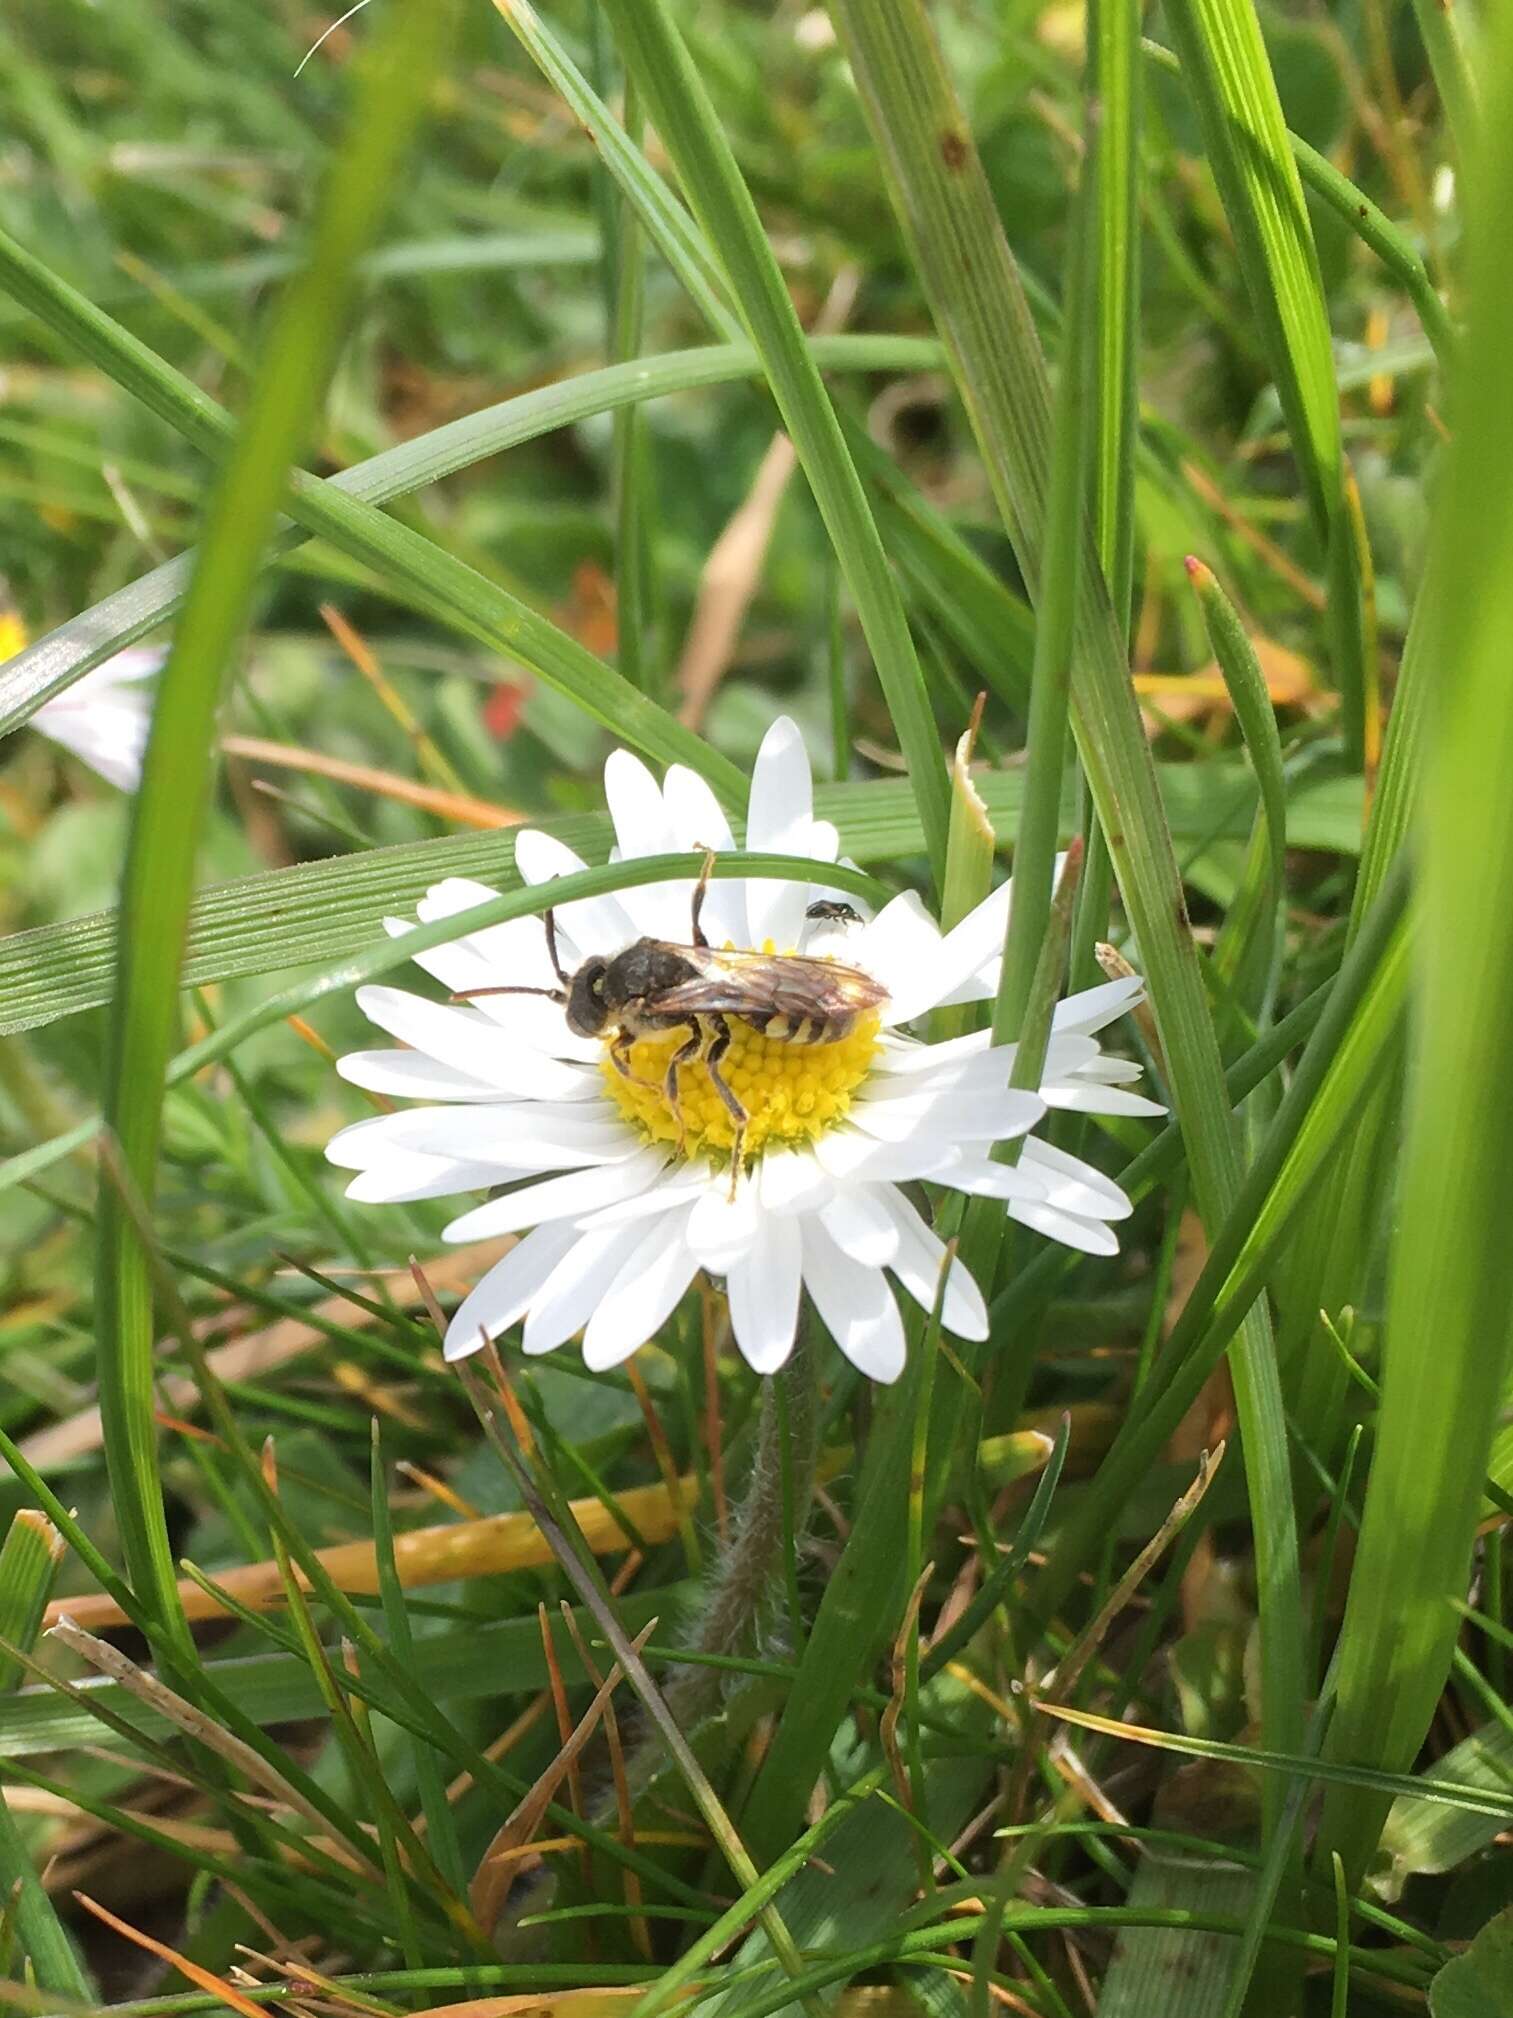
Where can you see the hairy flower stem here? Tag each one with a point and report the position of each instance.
(750, 1574)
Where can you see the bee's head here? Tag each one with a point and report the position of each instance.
(587, 1009)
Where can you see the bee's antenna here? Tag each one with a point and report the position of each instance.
(549, 919)
(472, 994)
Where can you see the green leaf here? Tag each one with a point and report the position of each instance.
(1478, 1984)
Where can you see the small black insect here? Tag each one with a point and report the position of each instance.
(833, 911)
(655, 985)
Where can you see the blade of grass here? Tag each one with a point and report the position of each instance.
(170, 808)
(28, 1563)
(1448, 1335)
(441, 1824)
(1226, 68)
(1366, 219)
(1114, 164)
(689, 128)
(289, 917)
(939, 188)
(50, 666)
(1357, 1031)
(436, 580)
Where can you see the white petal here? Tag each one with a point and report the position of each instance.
(861, 1226)
(824, 844)
(763, 1287)
(721, 1229)
(657, 910)
(1094, 1008)
(1080, 1096)
(1072, 1185)
(363, 1143)
(855, 1305)
(411, 1075)
(508, 1290)
(918, 1263)
(568, 1196)
(594, 924)
(778, 820)
(1111, 1071)
(850, 1156)
(575, 1288)
(523, 1135)
(460, 1037)
(675, 1189)
(782, 794)
(974, 948)
(984, 1178)
(406, 1175)
(642, 1296)
(696, 819)
(1091, 1236)
(791, 1180)
(899, 948)
(950, 1118)
(904, 1055)
(110, 736)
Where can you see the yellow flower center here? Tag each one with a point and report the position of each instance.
(790, 1092)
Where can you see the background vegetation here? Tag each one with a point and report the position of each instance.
(1056, 1716)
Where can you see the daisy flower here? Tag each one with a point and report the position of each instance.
(104, 717)
(622, 1197)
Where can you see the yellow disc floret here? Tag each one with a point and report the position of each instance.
(791, 1092)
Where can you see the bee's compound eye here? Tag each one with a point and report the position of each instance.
(596, 985)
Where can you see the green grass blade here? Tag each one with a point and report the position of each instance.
(170, 808)
(1114, 162)
(942, 195)
(286, 918)
(1246, 685)
(666, 222)
(1225, 66)
(679, 106)
(1448, 1333)
(29, 1560)
(1366, 219)
(429, 1778)
(1349, 1046)
(436, 580)
(54, 662)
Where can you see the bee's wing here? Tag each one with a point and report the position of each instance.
(760, 985)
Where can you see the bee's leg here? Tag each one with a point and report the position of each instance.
(700, 889)
(619, 1053)
(692, 1046)
(718, 1046)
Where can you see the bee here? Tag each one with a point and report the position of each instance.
(655, 986)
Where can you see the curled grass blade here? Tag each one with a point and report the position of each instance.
(436, 580)
(54, 662)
